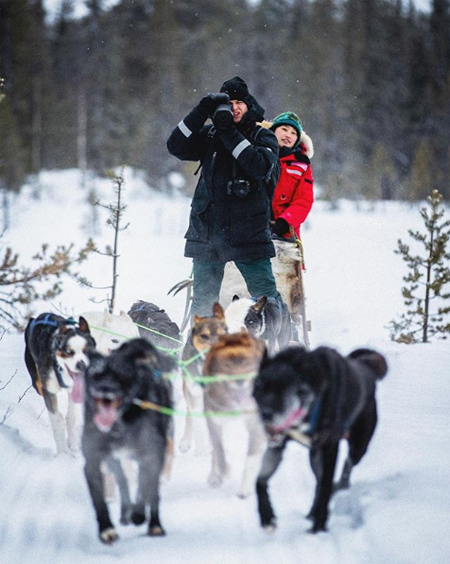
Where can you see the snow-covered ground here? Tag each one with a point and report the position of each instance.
(398, 509)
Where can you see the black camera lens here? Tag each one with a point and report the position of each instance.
(223, 116)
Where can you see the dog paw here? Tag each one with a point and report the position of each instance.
(108, 536)
(244, 492)
(215, 481)
(137, 517)
(125, 516)
(271, 527)
(156, 531)
(184, 446)
(343, 484)
(317, 528)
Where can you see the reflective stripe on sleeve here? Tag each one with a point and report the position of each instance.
(293, 171)
(184, 129)
(240, 147)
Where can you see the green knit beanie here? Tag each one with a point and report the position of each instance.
(288, 118)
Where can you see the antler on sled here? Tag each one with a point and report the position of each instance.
(184, 284)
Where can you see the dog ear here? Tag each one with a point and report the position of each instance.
(218, 311)
(156, 361)
(84, 325)
(260, 304)
(142, 353)
(376, 361)
(312, 367)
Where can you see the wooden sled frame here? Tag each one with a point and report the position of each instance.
(300, 299)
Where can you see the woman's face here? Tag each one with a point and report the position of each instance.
(286, 135)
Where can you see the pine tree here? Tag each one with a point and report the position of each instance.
(115, 211)
(21, 285)
(427, 279)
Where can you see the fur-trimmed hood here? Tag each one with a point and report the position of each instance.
(305, 139)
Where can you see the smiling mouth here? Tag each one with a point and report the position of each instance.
(106, 411)
(293, 418)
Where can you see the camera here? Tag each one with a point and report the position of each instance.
(238, 187)
(223, 116)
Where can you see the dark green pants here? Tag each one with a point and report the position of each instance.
(208, 276)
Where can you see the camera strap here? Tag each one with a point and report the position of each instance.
(210, 136)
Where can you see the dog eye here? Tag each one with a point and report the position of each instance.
(204, 336)
(115, 341)
(68, 351)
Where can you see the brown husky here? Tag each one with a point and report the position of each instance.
(204, 332)
(235, 359)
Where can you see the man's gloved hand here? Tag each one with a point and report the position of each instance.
(209, 103)
(280, 227)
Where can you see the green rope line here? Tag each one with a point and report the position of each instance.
(164, 349)
(158, 333)
(212, 379)
(170, 411)
(184, 363)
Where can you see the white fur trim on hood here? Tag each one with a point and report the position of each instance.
(307, 142)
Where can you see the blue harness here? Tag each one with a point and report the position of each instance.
(46, 320)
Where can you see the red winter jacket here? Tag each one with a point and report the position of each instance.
(293, 197)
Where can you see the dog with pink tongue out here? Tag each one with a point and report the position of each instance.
(56, 352)
(128, 408)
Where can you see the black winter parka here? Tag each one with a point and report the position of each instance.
(223, 226)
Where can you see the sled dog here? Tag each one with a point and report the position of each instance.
(234, 359)
(123, 393)
(285, 269)
(264, 318)
(156, 326)
(317, 398)
(110, 330)
(56, 352)
(204, 332)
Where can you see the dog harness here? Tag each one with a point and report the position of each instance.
(47, 321)
(304, 433)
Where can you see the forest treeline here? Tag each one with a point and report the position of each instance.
(369, 78)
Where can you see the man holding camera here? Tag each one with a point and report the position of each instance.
(230, 210)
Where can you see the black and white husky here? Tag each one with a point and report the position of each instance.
(264, 318)
(56, 358)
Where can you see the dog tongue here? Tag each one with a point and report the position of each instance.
(77, 393)
(105, 418)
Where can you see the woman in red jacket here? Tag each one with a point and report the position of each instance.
(293, 197)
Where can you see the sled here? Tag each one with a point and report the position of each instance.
(288, 268)
(305, 323)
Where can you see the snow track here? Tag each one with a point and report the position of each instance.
(397, 511)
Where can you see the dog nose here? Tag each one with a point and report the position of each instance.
(81, 366)
(266, 414)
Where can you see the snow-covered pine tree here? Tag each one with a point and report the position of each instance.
(426, 282)
(22, 286)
